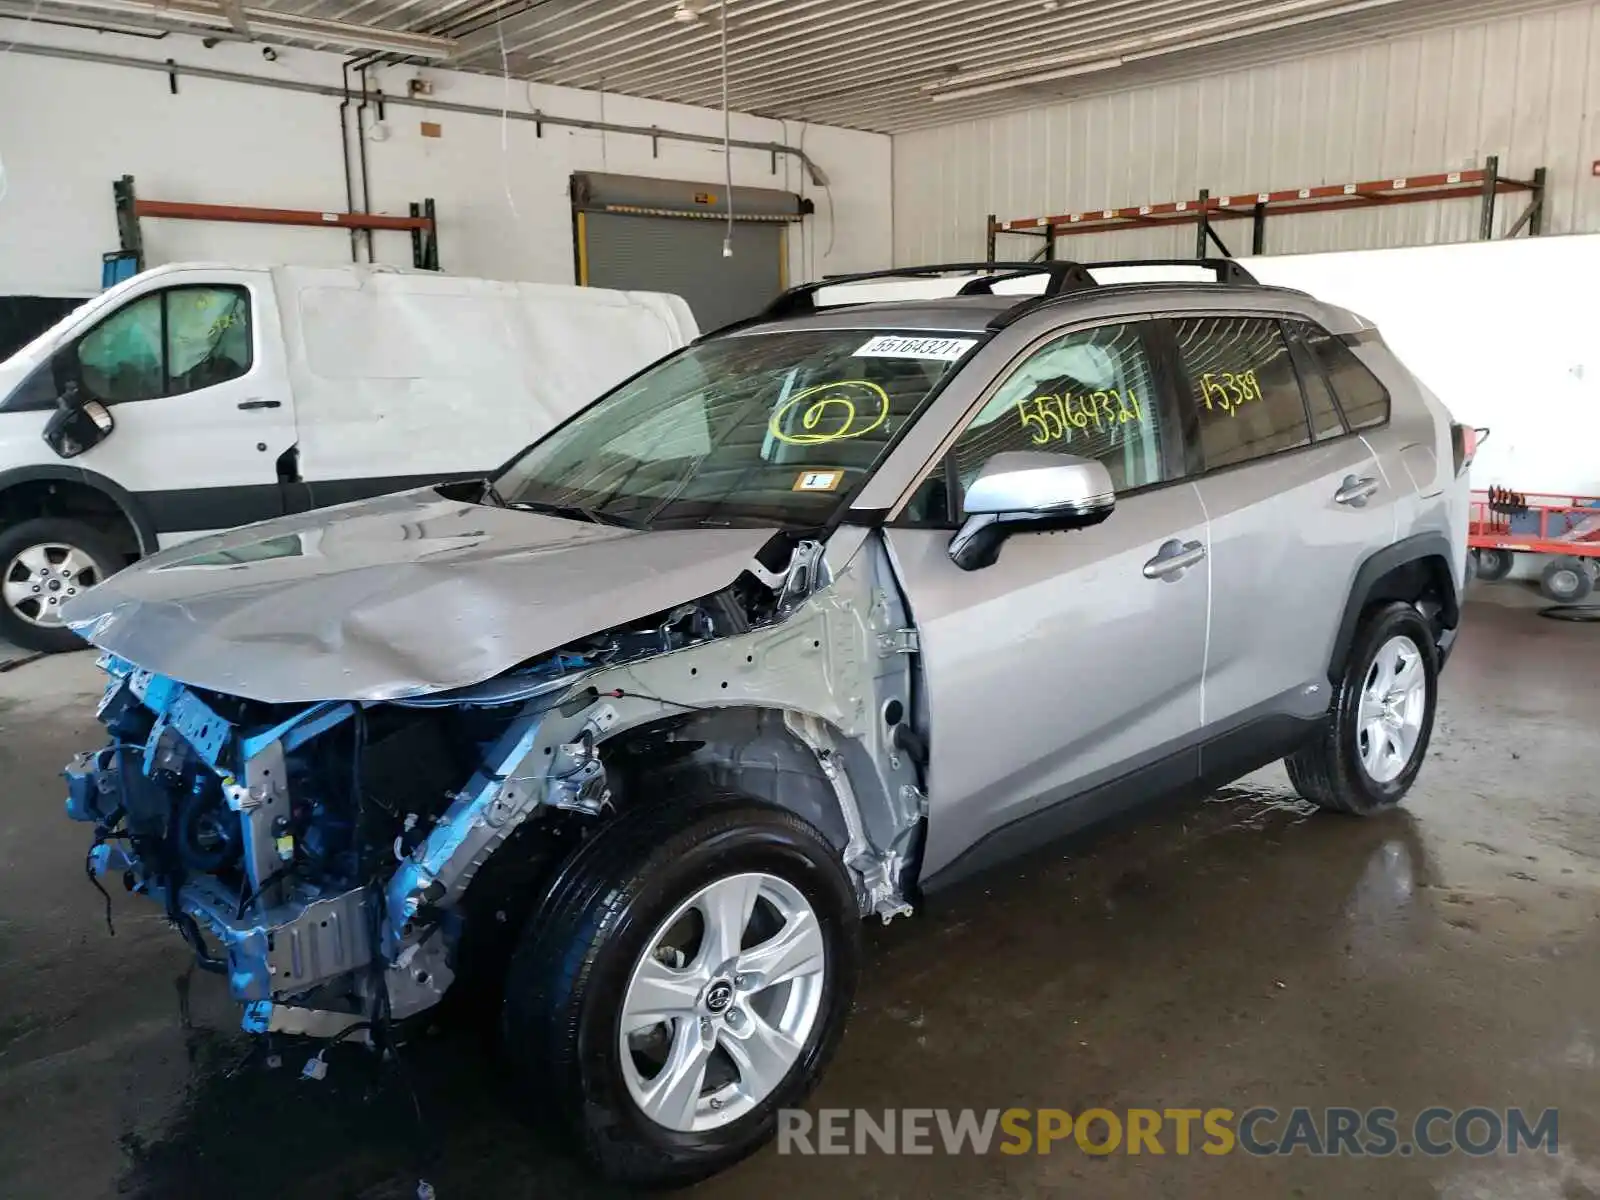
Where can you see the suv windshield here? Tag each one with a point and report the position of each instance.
(774, 428)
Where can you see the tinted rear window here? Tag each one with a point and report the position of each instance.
(1365, 401)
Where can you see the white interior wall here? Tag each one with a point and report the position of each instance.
(1522, 88)
(67, 129)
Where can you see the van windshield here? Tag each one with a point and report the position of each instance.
(773, 428)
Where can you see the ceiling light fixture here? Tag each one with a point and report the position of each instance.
(1289, 13)
(1005, 85)
(686, 13)
(202, 16)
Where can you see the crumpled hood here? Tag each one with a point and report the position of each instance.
(394, 597)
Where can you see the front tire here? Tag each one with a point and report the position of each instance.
(1371, 745)
(43, 564)
(687, 976)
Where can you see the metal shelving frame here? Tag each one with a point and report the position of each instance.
(1486, 184)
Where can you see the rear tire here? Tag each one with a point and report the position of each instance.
(618, 928)
(1370, 747)
(1493, 565)
(41, 561)
(1566, 580)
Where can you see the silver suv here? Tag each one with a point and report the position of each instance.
(802, 623)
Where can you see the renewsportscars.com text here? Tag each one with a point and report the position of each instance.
(1259, 1131)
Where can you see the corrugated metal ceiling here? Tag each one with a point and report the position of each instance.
(886, 65)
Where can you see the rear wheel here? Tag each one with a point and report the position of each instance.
(1493, 564)
(688, 975)
(43, 564)
(1371, 745)
(1566, 580)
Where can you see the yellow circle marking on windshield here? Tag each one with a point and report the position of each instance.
(832, 405)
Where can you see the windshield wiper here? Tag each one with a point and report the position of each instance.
(574, 512)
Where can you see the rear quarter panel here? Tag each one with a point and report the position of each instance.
(1414, 451)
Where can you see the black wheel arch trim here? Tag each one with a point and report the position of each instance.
(1415, 549)
(144, 529)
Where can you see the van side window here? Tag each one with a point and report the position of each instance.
(167, 343)
(121, 358)
(1365, 401)
(1244, 388)
(1091, 393)
(208, 337)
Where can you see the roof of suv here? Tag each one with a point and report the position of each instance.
(1069, 289)
(977, 314)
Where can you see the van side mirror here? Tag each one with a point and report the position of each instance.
(77, 424)
(1029, 491)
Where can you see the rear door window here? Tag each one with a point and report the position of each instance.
(1244, 389)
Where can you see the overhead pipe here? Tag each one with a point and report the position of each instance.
(361, 149)
(536, 116)
(344, 160)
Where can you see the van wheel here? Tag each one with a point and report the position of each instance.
(43, 564)
(686, 978)
(1566, 580)
(1371, 745)
(1493, 565)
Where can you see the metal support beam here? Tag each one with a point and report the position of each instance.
(129, 236)
(1533, 216)
(1258, 230)
(989, 255)
(1202, 224)
(234, 11)
(1491, 180)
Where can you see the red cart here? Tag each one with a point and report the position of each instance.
(1504, 523)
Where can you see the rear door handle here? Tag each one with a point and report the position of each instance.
(247, 405)
(1173, 559)
(1356, 491)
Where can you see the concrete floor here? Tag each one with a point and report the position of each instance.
(1229, 953)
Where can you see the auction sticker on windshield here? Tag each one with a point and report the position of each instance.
(897, 346)
(818, 481)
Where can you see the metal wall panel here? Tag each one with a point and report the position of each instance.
(1518, 87)
(683, 256)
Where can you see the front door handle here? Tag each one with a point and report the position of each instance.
(1356, 490)
(1173, 559)
(247, 405)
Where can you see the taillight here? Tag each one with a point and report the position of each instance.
(1464, 442)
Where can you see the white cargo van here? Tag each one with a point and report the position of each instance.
(194, 397)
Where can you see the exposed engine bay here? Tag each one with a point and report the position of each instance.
(322, 855)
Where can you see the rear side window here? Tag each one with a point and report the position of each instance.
(1325, 419)
(1246, 392)
(1365, 401)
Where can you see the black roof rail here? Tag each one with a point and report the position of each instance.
(1063, 277)
(1228, 270)
(1229, 274)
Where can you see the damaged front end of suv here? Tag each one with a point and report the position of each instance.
(333, 785)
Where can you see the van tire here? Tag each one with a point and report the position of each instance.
(51, 531)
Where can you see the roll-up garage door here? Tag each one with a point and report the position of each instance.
(664, 236)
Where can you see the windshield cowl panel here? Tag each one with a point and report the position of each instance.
(762, 429)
